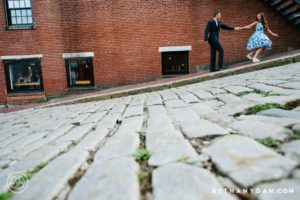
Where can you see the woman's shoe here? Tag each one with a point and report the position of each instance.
(255, 60)
(249, 57)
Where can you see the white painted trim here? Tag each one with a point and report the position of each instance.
(20, 57)
(175, 48)
(79, 55)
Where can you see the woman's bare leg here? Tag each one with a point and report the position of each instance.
(258, 51)
(263, 51)
(251, 53)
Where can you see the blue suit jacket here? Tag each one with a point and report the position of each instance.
(212, 30)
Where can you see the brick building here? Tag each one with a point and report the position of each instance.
(51, 46)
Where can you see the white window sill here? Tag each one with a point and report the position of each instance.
(78, 55)
(22, 57)
(175, 48)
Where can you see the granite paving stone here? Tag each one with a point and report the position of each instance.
(199, 140)
(248, 162)
(179, 181)
(260, 130)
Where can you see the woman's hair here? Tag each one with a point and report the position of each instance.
(263, 20)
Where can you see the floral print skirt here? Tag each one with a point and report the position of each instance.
(259, 40)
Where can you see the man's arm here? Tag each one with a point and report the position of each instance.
(207, 30)
(224, 26)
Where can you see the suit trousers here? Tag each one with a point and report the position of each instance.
(214, 47)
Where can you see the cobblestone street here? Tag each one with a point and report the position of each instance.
(184, 143)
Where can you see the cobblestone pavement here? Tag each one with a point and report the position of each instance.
(236, 133)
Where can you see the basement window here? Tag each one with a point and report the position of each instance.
(175, 59)
(23, 75)
(175, 63)
(79, 68)
(80, 72)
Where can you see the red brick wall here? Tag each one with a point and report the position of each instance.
(126, 35)
(20, 98)
(46, 39)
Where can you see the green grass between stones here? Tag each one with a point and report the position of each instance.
(296, 135)
(143, 174)
(21, 181)
(269, 94)
(243, 93)
(259, 108)
(37, 168)
(6, 195)
(258, 91)
(268, 141)
(142, 154)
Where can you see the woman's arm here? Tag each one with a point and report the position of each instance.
(274, 34)
(249, 26)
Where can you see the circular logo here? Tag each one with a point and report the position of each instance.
(17, 182)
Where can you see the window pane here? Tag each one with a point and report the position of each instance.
(24, 20)
(18, 13)
(17, 4)
(13, 20)
(10, 4)
(19, 20)
(24, 13)
(24, 75)
(22, 4)
(13, 13)
(29, 21)
(29, 12)
(27, 4)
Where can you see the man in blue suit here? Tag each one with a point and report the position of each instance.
(212, 36)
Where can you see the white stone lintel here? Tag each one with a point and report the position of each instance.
(21, 57)
(79, 55)
(175, 48)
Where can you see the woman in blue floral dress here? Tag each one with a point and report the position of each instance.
(259, 41)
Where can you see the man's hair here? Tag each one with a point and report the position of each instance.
(216, 13)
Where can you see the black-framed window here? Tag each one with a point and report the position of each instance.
(23, 75)
(175, 63)
(18, 13)
(79, 71)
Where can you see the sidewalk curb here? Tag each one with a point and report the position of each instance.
(184, 81)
